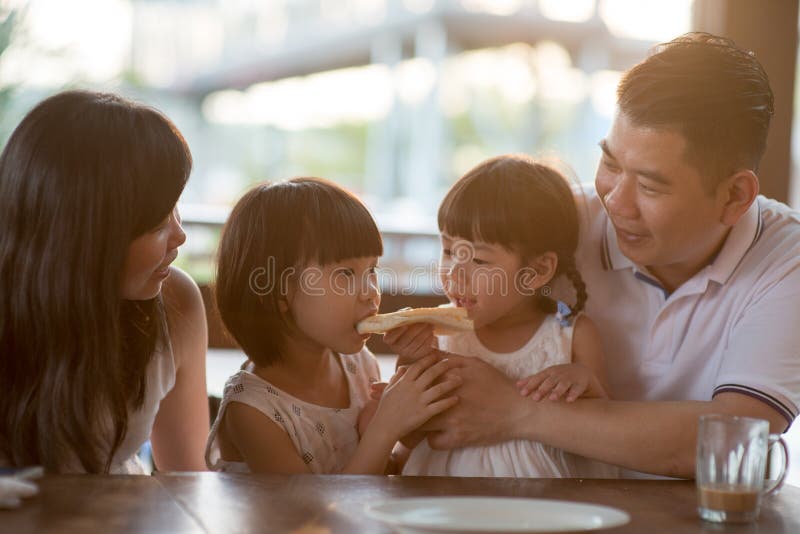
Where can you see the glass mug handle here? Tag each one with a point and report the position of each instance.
(772, 440)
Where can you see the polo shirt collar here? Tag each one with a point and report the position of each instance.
(740, 239)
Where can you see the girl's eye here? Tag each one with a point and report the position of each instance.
(446, 252)
(476, 261)
(373, 270)
(347, 271)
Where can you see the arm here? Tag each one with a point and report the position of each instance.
(264, 446)
(406, 404)
(585, 377)
(182, 423)
(656, 437)
(587, 350)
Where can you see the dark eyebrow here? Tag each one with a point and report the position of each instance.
(650, 175)
(604, 147)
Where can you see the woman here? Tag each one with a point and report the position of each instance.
(102, 343)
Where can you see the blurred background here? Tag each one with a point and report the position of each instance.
(394, 99)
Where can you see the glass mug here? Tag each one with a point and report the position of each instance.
(731, 467)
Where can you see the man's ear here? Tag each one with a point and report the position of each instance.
(545, 266)
(736, 194)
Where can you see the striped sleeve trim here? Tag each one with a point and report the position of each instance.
(788, 412)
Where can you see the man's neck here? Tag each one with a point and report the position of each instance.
(675, 275)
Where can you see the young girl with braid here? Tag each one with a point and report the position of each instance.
(509, 229)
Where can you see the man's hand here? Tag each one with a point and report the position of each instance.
(489, 410)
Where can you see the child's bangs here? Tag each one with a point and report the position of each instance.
(337, 226)
(475, 212)
(340, 236)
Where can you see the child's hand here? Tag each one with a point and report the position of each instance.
(415, 396)
(376, 389)
(411, 342)
(572, 379)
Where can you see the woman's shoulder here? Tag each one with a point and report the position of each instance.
(185, 314)
(180, 293)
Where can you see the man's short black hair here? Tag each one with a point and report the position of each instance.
(714, 93)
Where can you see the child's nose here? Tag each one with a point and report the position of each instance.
(456, 276)
(371, 290)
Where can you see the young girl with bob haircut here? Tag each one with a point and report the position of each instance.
(509, 228)
(102, 343)
(296, 273)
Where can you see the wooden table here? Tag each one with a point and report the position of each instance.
(307, 504)
(99, 504)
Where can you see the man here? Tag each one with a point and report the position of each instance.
(693, 279)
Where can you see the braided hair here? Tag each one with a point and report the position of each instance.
(574, 276)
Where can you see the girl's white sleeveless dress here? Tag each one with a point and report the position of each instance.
(550, 345)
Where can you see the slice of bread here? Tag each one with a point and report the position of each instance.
(446, 320)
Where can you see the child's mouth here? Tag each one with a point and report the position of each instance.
(465, 303)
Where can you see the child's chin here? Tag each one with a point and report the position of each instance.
(351, 347)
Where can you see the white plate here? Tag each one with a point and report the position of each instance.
(493, 514)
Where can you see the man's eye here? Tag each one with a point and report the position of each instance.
(646, 189)
(476, 261)
(613, 167)
(446, 252)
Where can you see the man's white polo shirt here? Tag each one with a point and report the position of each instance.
(734, 326)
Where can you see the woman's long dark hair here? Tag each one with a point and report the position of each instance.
(81, 177)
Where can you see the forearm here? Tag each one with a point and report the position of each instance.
(654, 437)
(181, 428)
(372, 454)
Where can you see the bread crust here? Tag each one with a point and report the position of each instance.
(445, 320)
